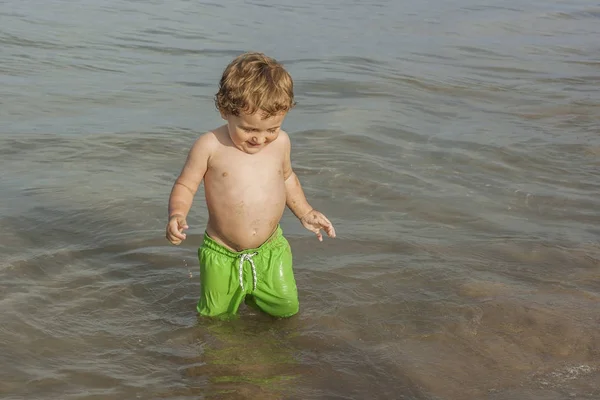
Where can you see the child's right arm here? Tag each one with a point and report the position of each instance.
(185, 187)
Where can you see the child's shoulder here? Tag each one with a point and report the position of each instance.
(206, 145)
(283, 138)
(211, 139)
(284, 135)
(284, 142)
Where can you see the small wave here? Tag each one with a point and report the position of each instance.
(591, 13)
(8, 39)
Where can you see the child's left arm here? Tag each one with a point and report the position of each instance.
(296, 201)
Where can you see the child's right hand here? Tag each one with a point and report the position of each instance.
(175, 229)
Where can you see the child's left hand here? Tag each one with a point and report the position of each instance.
(314, 221)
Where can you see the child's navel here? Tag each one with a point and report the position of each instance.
(225, 174)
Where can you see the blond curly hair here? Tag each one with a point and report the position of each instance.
(254, 82)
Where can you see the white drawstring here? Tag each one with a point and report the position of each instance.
(247, 257)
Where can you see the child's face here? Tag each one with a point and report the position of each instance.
(250, 133)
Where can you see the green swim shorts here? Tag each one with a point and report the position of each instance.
(262, 276)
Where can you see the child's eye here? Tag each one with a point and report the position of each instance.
(271, 131)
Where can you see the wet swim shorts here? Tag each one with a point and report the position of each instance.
(263, 276)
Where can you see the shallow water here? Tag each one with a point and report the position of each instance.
(455, 146)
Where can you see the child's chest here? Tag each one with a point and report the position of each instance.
(245, 168)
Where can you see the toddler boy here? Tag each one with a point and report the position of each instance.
(248, 179)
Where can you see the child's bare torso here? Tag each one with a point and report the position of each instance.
(245, 193)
